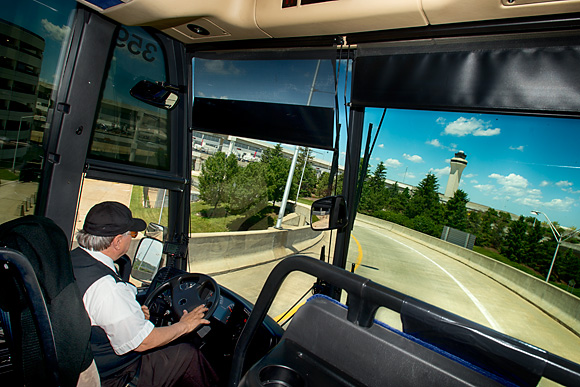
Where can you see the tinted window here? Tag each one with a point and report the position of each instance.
(128, 130)
(32, 36)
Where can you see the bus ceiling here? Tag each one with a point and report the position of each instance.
(201, 21)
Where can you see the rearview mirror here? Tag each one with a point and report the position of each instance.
(156, 94)
(328, 213)
(156, 231)
(147, 259)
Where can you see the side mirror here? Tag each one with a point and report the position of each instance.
(156, 94)
(156, 231)
(328, 213)
(147, 259)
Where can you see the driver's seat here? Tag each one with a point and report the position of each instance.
(46, 315)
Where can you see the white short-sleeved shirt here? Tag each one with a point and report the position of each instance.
(112, 306)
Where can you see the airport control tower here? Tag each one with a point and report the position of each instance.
(458, 164)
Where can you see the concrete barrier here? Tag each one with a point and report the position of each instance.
(218, 252)
(559, 304)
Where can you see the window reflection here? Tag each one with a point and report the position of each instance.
(32, 35)
(128, 130)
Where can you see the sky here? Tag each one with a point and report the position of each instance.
(517, 164)
(47, 18)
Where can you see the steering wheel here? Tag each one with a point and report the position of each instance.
(185, 291)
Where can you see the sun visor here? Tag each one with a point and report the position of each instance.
(309, 126)
(262, 95)
(490, 74)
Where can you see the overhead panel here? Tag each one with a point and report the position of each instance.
(456, 11)
(315, 17)
(183, 19)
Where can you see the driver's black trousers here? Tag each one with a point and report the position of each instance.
(179, 364)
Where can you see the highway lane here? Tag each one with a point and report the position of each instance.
(412, 268)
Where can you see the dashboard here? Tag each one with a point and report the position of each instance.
(224, 310)
(218, 340)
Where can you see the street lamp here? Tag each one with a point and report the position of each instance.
(18, 138)
(559, 239)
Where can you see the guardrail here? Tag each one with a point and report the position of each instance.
(560, 305)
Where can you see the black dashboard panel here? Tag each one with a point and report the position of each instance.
(218, 339)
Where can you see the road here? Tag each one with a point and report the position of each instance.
(414, 269)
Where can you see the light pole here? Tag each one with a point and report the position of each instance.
(559, 239)
(18, 138)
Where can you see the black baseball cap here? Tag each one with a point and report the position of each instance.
(110, 219)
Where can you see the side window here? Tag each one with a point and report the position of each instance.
(32, 35)
(127, 130)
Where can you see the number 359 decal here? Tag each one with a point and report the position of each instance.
(134, 44)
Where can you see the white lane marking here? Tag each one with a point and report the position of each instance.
(478, 304)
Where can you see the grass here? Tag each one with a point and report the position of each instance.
(307, 201)
(204, 219)
(149, 215)
(5, 174)
(498, 257)
(495, 255)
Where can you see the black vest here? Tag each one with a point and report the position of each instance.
(88, 270)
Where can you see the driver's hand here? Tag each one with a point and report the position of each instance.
(194, 319)
(145, 312)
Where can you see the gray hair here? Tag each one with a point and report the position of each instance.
(94, 242)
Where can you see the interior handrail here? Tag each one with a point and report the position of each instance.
(366, 296)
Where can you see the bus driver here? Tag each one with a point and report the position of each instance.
(124, 342)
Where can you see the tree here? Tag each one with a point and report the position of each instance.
(374, 192)
(398, 201)
(276, 172)
(216, 173)
(456, 211)
(322, 184)
(515, 241)
(533, 238)
(425, 200)
(303, 163)
(473, 222)
(247, 189)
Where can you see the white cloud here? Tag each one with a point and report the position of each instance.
(381, 146)
(435, 143)
(511, 180)
(393, 163)
(58, 33)
(464, 126)
(221, 67)
(544, 183)
(441, 121)
(535, 193)
(563, 184)
(485, 188)
(555, 204)
(414, 158)
(474, 181)
(487, 132)
(440, 171)
(470, 175)
(511, 184)
(518, 148)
